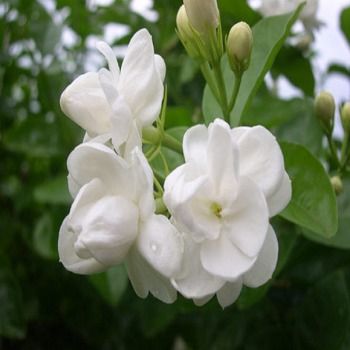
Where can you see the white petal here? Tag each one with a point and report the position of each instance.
(85, 103)
(109, 229)
(194, 281)
(202, 301)
(143, 179)
(108, 53)
(222, 160)
(229, 293)
(108, 86)
(261, 158)
(223, 259)
(73, 186)
(68, 257)
(145, 279)
(246, 227)
(161, 245)
(94, 160)
(140, 82)
(195, 143)
(280, 199)
(264, 266)
(122, 123)
(160, 66)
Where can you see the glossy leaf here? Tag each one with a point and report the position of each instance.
(12, 323)
(54, 191)
(323, 319)
(313, 203)
(111, 284)
(342, 238)
(269, 35)
(298, 70)
(345, 23)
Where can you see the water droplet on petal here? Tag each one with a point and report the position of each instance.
(154, 247)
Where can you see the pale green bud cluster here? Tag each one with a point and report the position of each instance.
(239, 47)
(199, 29)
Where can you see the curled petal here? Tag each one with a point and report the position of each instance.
(222, 154)
(194, 281)
(160, 66)
(202, 301)
(68, 257)
(223, 259)
(246, 226)
(85, 103)
(161, 245)
(260, 156)
(195, 146)
(140, 83)
(280, 199)
(265, 264)
(229, 293)
(145, 279)
(108, 230)
(94, 160)
(108, 53)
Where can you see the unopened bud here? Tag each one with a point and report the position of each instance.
(203, 15)
(182, 24)
(325, 109)
(337, 184)
(239, 46)
(188, 36)
(345, 117)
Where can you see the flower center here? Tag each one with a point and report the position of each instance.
(216, 209)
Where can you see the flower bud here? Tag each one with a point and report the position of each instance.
(325, 109)
(203, 15)
(239, 46)
(345, 117)
(337, 184)
(189, 38)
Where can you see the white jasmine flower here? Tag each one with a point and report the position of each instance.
(112, 221)
(221, 199)
(119, 102)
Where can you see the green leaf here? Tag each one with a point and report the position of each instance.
(54, 191)
(323, 320)
(111, 284)
(298, 69)
(34, 137)
(313, 203)
(269, 35)
(155, 316)
(45, 237)
(303, 128)
(12, 323)
(342, 237)
(345, 23)
(239, 11)
(211, 108)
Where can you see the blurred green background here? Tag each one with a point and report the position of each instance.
(42, 306)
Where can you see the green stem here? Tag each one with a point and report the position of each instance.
(237, 84)
(160, 206)
(155, 136)
(333, 149)
(222, 91)
(172, 143)
(210, 81)
(344, 150)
